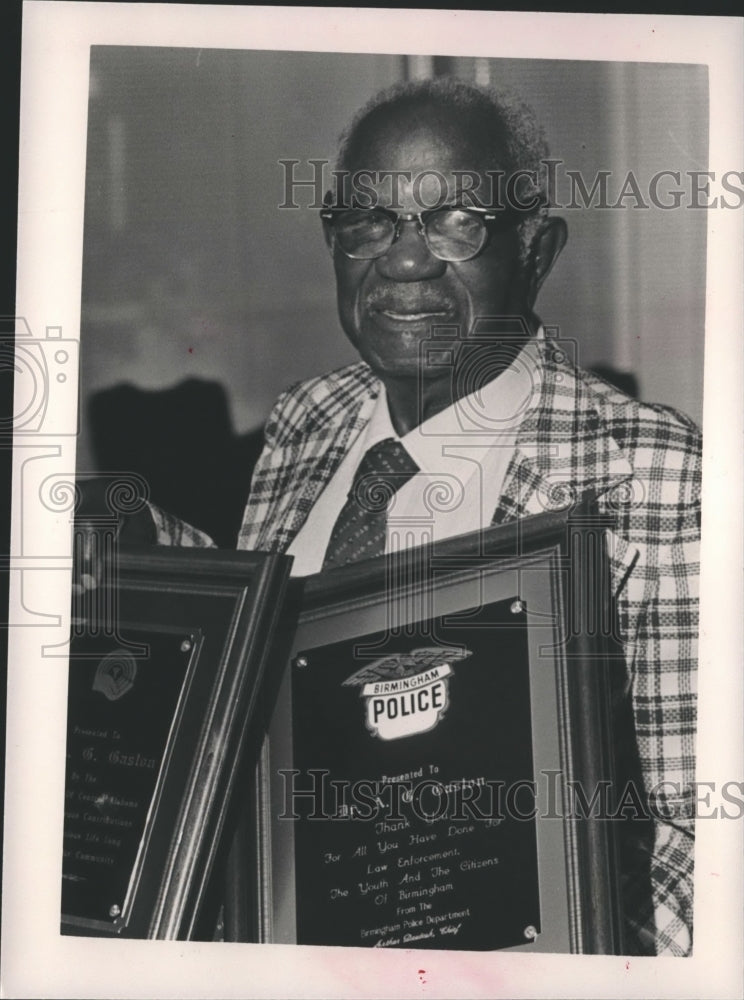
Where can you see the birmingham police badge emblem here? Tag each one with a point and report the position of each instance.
(407, 693)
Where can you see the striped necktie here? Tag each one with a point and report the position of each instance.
(360, 529)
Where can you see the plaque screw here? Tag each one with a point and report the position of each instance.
(517, 607)
(301, 661)
(186, 645)
(114, 911)
(530, 932)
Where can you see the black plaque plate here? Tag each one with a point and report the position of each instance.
(436, 848)
(120, 711)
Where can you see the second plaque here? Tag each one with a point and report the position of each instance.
(415, 811)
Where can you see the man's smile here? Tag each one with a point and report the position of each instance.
(418, 321)
(411, 316)
(409, 305)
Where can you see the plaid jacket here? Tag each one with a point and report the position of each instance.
(580, 434)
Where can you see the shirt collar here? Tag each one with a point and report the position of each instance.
(491, 414)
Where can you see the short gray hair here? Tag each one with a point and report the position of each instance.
(511, 123)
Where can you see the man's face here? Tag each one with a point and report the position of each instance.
(389, 305)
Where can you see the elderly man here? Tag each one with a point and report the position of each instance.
(441, 238)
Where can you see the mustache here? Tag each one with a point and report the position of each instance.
(410, 297)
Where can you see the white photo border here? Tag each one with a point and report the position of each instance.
(54, 98)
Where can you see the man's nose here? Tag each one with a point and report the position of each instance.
(409, 258)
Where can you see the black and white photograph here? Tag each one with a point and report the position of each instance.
(377, 377)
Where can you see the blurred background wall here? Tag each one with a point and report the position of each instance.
(192, 271)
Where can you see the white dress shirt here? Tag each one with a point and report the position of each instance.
(462, 452)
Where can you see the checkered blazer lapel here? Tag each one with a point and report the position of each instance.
(309, 432)
(563, 450)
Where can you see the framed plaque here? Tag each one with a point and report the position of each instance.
(438, 711)
(164, 669)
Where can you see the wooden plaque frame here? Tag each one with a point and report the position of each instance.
(225, 605)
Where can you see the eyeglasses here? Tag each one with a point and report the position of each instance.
(450, 233)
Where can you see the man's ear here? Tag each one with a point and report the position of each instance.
(545, 250)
